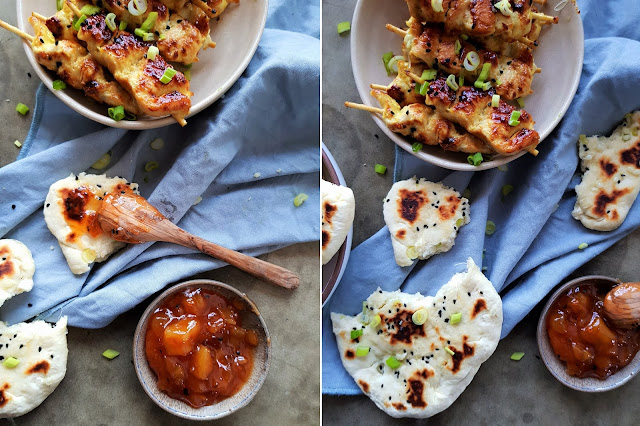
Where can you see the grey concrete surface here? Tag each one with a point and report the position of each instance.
(504, 392)
(100, 392)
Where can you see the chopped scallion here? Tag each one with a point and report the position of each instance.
(495, 101)
(504, 7)
(393, 362)
(151, 165)
(475, 159)
(157, 144)
(148, 23)
(452, 83)
(59, 85)
(457, 47)
(448, 350)
(464, 36)
(412, 252)
(356, 333)
(123, 25)
(506, 190)
(187, 75)
(110, 354)
(22, 108)
(503, 168)
(343, 27)
(423, 88)
(59, 4)
(11, 362)
(490, 228)
(416, 147)
(428, 75)
(419, 317)
(385, 60)
(376, 321)
(520, 102)
(455, 318)
(486, 67)
(517, 356)
(88, 255)
(103, 162)
(89, 9)
(459, 222)
(299, 199)
(78, 23)
(152, 53)
(466, 193)
(167, 76)
(513, 120)
(380, 169)
(110, 20)
(583, 246)
(362, 350)
(437, 5)
(483, 85)
(116, 113)
(471, 61)
(17, 143)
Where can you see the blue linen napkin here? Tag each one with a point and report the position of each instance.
(268, 123)
(535, 244)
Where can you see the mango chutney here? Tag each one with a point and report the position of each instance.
(583, 339)
(196, 345)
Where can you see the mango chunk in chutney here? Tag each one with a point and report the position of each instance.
(581, 337)
(197, 347)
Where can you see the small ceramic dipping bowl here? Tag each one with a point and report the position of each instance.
(251, 319)
(558, 370)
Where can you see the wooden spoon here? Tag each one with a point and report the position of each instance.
(622, 305)
(130, 218)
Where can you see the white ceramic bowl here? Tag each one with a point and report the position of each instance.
(560, 56)
(237, 35)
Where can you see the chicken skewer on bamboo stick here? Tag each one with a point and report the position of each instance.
(213, 8)
(74, 66)
(430, 45)
(480, 18)
(179, 35)
(423, 124)
(158, 89)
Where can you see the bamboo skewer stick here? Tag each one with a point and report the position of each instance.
(396, 30)
(544, 18)
(16, 31)
(40, 17)
(362, 107)
(74, 8)
(541, 2)
(379, 87)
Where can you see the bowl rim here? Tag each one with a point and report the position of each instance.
(543, 339)
(140, 333)
(151, 122)
(404, 142)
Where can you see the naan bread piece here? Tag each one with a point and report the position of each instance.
(338, 210)
(41, 351)
(16, 269)
(611, 176)
(70, 213)
(423, 218)
(437, 360)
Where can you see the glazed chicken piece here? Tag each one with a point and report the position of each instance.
(424, 124)
(179, 35)
(471, 108)
(213, 8)
(61, 24)
(125, 56)
(77, 68)
(431, 45)
(403, 89)
(478, 18)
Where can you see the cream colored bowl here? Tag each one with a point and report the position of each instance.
(559, 55)
(236, 34)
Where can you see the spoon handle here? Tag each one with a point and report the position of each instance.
(258, 268)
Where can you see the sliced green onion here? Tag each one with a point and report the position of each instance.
(59, 85)
(517, 356)
(81, 19)
(498, 82)
(506, 190)
(490, 228)
(393, 362)
(59, 4)
(520, 102)
(187, 75)
(17, 143)
(148, 23)
(11, 362)
(419, 317)
(495, 101)
(362, 350)
(356, 333)
(466, 193)
(504, 7)
(103, 162)
(486, 68)
(380, 169)
(424, 87)
(343, 27)
(139, 32)
(459, 222)
(167, 76)
(162, 36)
(412, 252)
(475, 159)
(513, 120)
(385, 60)
(428, 75)
(503, 168)
(376, 321)
(583, 246)
(152, 53)
(148, 37)
(457, 47)
(471, 61)
(187, 66)
(88, 255)
(455, 318)
(130, 117)
(464, 36)
(483, 85)
(461, 79)
(89, 9)
(437, 5)
(393, 63)
(116, 113)
(123, 25)
(137, 7)
(452, 83)
(157, 144)
(110, 20)
(22, 108)
(151, 165)
(299, 199)
(449, 351)
(110, 354)
(416, 147)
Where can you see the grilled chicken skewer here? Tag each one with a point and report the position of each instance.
(213, 8)
(125, 57)
(74, 66)
(480, 18)
(179, 35)
(431, 45)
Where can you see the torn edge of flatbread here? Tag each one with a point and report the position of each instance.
(338, 210)
(16, 269)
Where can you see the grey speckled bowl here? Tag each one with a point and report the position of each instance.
(555, 366)
(251, 319)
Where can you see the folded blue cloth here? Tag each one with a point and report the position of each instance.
(267, 123)
(536, 241)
